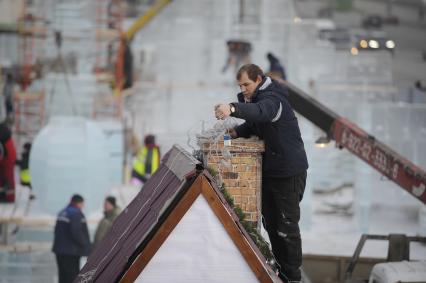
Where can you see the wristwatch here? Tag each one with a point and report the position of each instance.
(232, 108)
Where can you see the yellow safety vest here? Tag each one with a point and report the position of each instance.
(25, 176)
(140, 161)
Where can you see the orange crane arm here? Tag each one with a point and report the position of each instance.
(145, 18)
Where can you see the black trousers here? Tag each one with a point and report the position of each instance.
(281, 215)
(68, 267)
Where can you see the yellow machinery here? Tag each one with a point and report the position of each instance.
(120, 74)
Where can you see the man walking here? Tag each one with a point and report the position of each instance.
(71, 239)
(263, 105)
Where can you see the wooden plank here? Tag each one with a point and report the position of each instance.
(163, 232)
(234, 232)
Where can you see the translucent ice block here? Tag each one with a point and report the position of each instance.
(69, 155)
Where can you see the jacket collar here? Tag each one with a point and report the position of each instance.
(266, 81)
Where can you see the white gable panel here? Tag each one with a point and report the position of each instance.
(198, 250)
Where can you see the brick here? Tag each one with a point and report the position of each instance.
(230, 175)
(249, 192)
(230, 183)
(237, 199)
(251, 207)
(247, 176)
(241, 173)
(243, 183)
(234, 191)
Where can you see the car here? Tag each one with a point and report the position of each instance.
(372, 41)
(402, 271)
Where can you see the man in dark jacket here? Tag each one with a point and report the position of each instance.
(111, 212)
(71, 239)
(267, 113)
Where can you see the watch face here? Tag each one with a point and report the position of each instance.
(232, 109)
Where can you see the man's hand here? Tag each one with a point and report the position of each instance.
(232, 133)
(222, 111)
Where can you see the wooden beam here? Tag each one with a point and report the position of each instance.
(234, 232)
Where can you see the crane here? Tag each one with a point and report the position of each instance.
(347, 134)
(124, 59)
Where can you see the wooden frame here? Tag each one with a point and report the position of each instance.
(200, 186)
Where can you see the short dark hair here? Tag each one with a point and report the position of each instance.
(252, 71)
(77, 199)
(111, 200)
(149, 139)
(27, 146)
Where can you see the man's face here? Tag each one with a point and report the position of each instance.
(108, 206)
(248, 86)
(80, 205)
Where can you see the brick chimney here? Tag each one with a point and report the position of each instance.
(240, 168)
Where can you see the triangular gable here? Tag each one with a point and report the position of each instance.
(203, 188)
(198, 250)
(140, 230)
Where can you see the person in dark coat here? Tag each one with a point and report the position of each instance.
(263, 105)
(71, 239)
(276, 70)
(238, 54)
(7, 164)
(111, 212)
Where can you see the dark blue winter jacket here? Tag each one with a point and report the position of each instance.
(71, 233)
(270, 117)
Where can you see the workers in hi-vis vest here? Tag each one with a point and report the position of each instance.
(146, 161)
(23, 164)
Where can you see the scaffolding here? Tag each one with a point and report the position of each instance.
(109, 58)
(29, 102)
(29, 116)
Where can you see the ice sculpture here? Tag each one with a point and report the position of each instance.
(70, 155)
